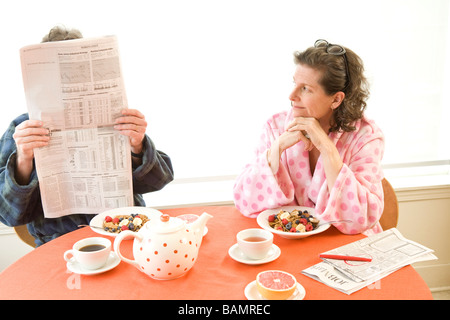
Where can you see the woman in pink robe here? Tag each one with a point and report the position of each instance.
(323, 152)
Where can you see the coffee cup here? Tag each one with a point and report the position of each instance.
(255, 243)
(90, 253)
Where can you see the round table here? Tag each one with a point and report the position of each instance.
(42, 273)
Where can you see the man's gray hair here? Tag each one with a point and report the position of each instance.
(60, 33)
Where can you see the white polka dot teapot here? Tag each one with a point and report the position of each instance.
(165, 248)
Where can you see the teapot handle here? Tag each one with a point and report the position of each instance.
(118, 241)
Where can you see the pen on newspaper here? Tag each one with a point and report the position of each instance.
(348, 258)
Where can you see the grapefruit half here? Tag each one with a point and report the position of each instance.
(275, 284)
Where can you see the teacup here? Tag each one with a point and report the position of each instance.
(90, 253)
(255, 243)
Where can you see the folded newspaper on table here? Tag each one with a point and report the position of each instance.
(76, 88)
(388, 250)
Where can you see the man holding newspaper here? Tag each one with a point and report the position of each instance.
(24, 198)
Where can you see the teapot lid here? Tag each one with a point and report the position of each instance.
(166, 224)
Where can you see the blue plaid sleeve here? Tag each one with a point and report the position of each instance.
(16, 201)
(21, 204)
(155, 172)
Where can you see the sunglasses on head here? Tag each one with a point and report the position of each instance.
(336, 50)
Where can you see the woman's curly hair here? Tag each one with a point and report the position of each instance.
(334, 79)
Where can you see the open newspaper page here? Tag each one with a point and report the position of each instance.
(76, 88)
(389, 251)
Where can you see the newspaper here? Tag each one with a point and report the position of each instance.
(388, 250)
(76, 88)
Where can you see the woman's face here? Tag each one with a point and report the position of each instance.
(309, 98)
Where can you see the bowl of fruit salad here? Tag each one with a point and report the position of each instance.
(291, 222)
(114, 221)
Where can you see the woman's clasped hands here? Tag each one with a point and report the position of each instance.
(306, 129)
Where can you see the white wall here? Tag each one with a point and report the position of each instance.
(11, 247)
(208, 74)
(425, 218)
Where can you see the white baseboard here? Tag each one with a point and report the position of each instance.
(437, 276)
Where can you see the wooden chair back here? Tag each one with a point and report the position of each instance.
(389, 217)
(24, 235)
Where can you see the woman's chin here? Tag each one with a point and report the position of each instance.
(299, 112)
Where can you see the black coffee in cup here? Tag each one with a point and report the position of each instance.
(92, 247)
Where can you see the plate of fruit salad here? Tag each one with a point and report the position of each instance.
(114, 221)
(291, 222)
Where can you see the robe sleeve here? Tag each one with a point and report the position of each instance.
(257, 188)
(357, 194)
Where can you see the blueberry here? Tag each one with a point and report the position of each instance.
(297, 221)
(289, 225)
(131, 226)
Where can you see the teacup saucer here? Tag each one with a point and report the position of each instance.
(251, 292)
(75, 267)
(236, 253)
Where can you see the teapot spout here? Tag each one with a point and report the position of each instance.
(199, 226)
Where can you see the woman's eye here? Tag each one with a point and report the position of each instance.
(299, 87)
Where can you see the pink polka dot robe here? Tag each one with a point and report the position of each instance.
(357, 194)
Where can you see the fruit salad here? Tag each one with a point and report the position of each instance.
(120, 223)
(294, 221)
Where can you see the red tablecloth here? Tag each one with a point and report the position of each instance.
(42, 274)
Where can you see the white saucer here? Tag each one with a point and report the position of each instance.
(236, 253)
(251, 292)
(75, 267)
